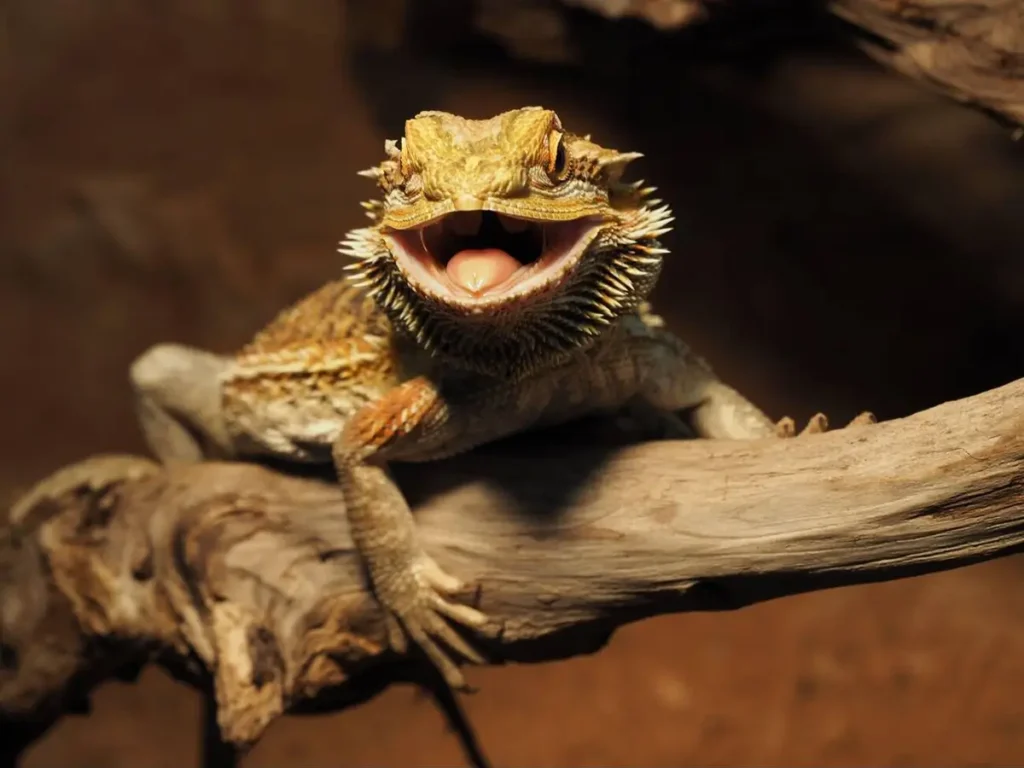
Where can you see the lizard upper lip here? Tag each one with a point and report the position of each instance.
(528, 256)
(520, 238)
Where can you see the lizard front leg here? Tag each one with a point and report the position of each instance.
(409, 584)
(178, 398)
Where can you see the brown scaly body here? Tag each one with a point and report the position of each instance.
(500, 286)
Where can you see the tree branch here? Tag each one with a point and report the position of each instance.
(250, 574)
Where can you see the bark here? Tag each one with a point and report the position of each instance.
(246, 576)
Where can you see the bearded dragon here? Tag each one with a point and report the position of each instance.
(501, 286)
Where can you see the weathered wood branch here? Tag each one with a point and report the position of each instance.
(249, 573)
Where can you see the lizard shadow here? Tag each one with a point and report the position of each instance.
(540, 473)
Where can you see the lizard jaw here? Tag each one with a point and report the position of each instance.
(482, 260)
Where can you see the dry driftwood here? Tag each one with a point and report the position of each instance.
(249, 573)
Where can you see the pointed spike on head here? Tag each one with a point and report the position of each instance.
(618, 158)
(614, 163)
(370, 173)
(392, 150)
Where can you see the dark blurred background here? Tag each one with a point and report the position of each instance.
(848, 240)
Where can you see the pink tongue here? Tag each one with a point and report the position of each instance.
(480, 269)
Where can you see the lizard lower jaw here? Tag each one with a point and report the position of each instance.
(483, 260)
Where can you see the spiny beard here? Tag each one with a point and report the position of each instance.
(612, 278)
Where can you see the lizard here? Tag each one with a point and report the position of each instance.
(501, 286)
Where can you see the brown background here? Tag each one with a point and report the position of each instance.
(179, 171)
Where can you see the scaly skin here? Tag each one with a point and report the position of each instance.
(413, 360)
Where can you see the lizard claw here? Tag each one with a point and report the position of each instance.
(785, 427)
(865, 417)
(417, 608)
(818, 423)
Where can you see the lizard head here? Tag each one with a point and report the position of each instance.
(504, 243)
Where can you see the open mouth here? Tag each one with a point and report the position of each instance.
(482, 257)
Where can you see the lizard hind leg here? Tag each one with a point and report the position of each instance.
(679, 382)
(676, 380)
(178, 401)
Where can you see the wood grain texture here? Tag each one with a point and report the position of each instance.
(249, 574)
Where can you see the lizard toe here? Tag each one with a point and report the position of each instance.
(448, 669)
(444, 632)
(785, 427)
(817, 424)
(398, 640)
(866, 417)
(435, 577)
(463, 614)
(419, 612)
(426, 629)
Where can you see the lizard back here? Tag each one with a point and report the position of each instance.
(322, 358)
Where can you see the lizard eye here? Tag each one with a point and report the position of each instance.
(559, 162)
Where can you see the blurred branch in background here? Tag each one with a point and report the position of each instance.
(246, 577)
(973, 52)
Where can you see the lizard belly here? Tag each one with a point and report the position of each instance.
(602, 379)
(299, 422)
(483, 411)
